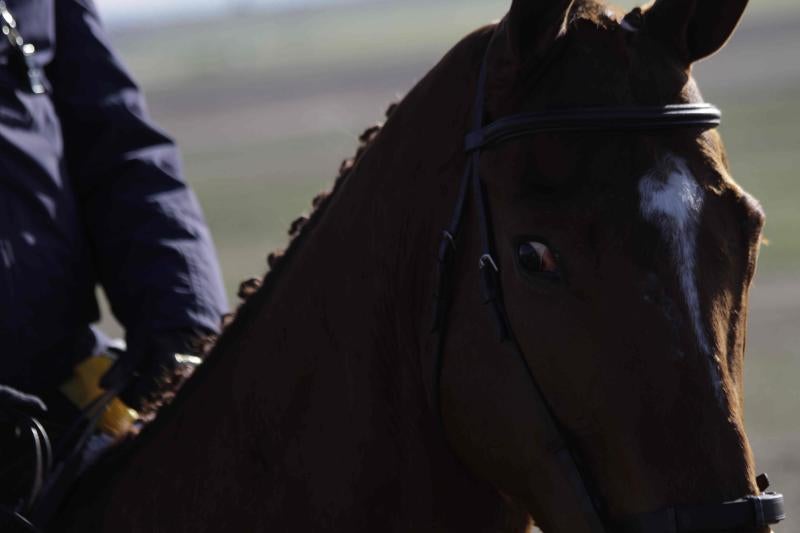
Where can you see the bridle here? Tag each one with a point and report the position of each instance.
(752, 511)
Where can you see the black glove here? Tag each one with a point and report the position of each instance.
(13, 401)
(148, 366)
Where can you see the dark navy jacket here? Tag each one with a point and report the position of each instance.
(91, 192)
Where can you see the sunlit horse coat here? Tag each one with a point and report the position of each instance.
(90, 192)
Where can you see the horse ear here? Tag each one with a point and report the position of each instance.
(694, 28)
(534, 25)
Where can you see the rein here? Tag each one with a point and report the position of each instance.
(752, 511)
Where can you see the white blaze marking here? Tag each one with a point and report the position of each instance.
(672, 200)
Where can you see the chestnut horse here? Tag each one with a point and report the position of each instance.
(625, 260)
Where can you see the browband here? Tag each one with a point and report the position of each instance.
(700, 115)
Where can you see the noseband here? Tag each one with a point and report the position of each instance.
(752, 511)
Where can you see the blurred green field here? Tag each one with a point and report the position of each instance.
(266, 106)
(261, 98)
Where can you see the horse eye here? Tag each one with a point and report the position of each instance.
(537, 258)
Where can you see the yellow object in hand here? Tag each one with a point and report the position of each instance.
(84, 387)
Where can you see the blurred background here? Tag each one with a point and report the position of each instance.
(266, 97)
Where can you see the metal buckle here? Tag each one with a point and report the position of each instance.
(487, 259)
(447, 246)
(449, 237)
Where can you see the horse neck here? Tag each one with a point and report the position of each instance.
(314, 399)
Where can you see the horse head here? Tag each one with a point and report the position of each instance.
(623, 264)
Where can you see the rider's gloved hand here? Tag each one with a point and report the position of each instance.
(148, 366)
(14, 401)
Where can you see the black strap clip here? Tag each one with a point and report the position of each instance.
(490, 290)
(441, 293)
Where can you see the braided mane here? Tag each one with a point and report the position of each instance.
(204, 345)
(297, 229)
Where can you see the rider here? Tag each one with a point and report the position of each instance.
(91, 193)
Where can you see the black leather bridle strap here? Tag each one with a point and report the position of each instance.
(492, 297)
(554, 442)
(746, 513)
(491, 292)
(632, 118)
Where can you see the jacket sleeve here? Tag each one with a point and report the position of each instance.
(152, 248)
